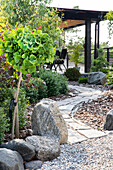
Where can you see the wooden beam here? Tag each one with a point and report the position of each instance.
(69, 23)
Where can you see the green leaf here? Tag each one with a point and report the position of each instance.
(32, 57)
(32, 69)
(7, 43)
(24, 55)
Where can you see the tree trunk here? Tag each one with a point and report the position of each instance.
(15, 116)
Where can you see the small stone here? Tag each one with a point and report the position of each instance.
(29, 132)
(33, 164)
(109, 121)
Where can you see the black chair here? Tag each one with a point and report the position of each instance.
(60, 61)
(50, 65)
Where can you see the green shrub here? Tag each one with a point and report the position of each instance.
(35, 88)
(100, 64)
(62, 83)
(83, 80)
(72, 74)
(56, 83)
(110, 79)
(4, 126)
(5, 99)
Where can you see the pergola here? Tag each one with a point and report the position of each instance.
(76, 17)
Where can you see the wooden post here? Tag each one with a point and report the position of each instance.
(95, 48)
(88, 46)
(67, 60)
(107, 54)
(96, 39)
(15, 116)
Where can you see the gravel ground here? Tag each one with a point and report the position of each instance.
(93, 154)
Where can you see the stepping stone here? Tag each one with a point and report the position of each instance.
(77, 126)
(75, 137)
(81, 89)
(79, 122)
(91, 133)
(65, 115)
(69, 120)
(66, 107)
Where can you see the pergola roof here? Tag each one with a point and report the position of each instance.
(77, 17)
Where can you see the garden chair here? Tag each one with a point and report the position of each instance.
(50, 65)
(60, 61)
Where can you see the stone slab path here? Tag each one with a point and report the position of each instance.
(78, 131)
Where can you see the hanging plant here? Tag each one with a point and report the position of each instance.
(25, 50)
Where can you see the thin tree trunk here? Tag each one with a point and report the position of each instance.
(15, 116)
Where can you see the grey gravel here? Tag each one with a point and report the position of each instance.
(93, 154)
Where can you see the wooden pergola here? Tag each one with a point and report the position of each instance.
(75, 17)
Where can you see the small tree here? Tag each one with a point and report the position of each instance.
(76, 55)
(25, 50)
(76, 45)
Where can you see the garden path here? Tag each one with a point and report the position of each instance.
(78, 131)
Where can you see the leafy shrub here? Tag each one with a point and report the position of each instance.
(56, 83)
(83, 80)
(63, 84)
(35, 88)
(110, 79)
(3, 124)
(72, 74)
(100, 64)
(5, 99)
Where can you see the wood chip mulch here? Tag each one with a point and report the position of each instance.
(94, 113)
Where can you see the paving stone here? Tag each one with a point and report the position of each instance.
(81, 89)
(71, 101)
(79, 122)
(91, 133)
(75, 137)
(79, 131)
(69, 120)
(77, 126)
(66, 116)
(68, 107)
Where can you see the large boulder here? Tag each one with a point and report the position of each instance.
(10, 160)
(109, 121)
(97, 78)
(47, 148)
(47, 120)
(26, 150)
